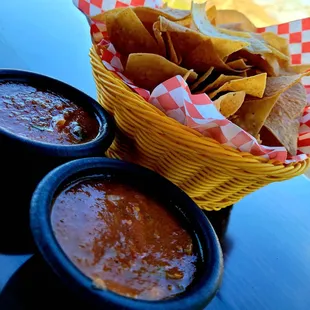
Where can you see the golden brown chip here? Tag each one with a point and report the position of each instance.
(278, 54)
(187, 74)
(203, 57)
(279, 47)
(185, 22)
(221, 80)
(230, 103)
(185, 39)
(253, 113)
(254, 86)
(211, 13)
(180, 59)
(238, 64)
(159, 39)
(277, 85)
(299, 68)
(256, 61)
(279, 43)
(175, 14)
(236, 33)
(103, 16)
(148, 16)
(171, 51)
(201, 79)
(149, 70)
(245, 74)
(151, 15)
(283, 120)
(231, 26)
(273, 62)
(234, 17)
(221, 39)
(128, 35)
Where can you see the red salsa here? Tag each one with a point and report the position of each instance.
(44, 116)
(123, 240)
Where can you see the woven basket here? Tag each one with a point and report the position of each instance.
(213, 175)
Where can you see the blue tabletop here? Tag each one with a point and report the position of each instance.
(267, 243)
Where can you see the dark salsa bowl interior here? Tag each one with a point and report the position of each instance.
(123, 237)
(43, 123)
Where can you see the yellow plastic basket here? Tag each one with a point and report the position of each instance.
(213, 175)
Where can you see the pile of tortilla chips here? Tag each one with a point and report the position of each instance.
(247, 75)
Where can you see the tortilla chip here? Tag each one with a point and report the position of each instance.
(148, 16)
(201, 79)
(256, 61)
(278, 85)
(186, 22)
(238, 64)
(278, 54)
(230, 103)
(231, 26)
(211, 13)
(292, 103)
(234, 17)
(203, 57)
(151, 15)
(236, 33)
(221, 39)
(179, 57)
(128, 35)
(159, 39)
(283, 120)
(299, 68)
(253, 113)
(279, 43)
(185, 39)
(102, 17)
(149, 70)
(220, 81)
(175, 14)
(244, 74)
(187, 74)
(254, 86)
(273, 62)
(171, 51)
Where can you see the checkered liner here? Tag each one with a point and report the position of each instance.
(174, 98)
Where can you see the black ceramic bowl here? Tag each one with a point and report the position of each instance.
(209, 266)
(24, 162)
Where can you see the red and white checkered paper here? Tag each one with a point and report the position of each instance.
(174, 98)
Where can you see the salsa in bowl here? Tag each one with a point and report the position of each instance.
(43, 123)
(42, 115)
(125, 237)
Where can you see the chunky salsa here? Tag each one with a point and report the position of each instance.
(44, 116)
(123, 240)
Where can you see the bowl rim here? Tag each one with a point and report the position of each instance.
(106, 130)
(209, 278)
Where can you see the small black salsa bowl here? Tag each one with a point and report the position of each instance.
(209, 266)
(24, 161)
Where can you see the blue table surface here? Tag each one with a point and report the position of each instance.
(267, 244)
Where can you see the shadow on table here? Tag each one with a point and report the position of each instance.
(220, 221)
(15, 234)
(34, 286)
